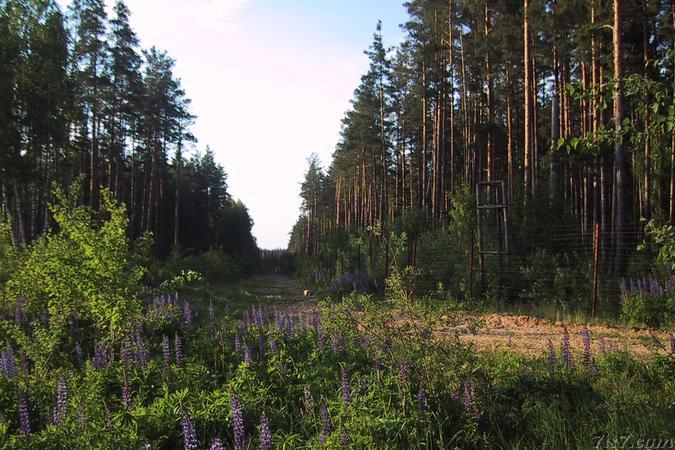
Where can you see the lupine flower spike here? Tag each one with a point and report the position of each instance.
(565, 348)
(238, 422)
(166, 352)
(346, 388)
(327, 425)
(60, 410)
(265, 433)
(24, 420)
(190, 441)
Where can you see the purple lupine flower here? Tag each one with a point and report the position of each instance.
(587, 357)
(278, 322)
(146, 447)
(672, 344)
(78, 354)
(178, 349)
(190, 441)
(166, 352)
(655, 289)
(422, 401)
(403, 372)
(344, 438)
(217, 444)
(469, 401)
(24, 420)
(454, 395)
(265, 433)
(261, 347)
(100, 358)
(552, 357)
(126, 395)
(9, 368)
(327, 424)
(60, 410)
(346, 389)
(377, 364)
(238, 422)
(565, 348)
(247, 356)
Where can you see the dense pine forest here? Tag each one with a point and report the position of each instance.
(559, 111)
(487, 262)
(81, 100)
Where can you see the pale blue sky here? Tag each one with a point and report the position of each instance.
(269, 81)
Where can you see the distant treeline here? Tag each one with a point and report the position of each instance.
(79, 98)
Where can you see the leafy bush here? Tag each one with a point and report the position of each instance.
(82, 274)
(213, 266)
(647, 302)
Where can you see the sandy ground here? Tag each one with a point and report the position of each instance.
(494, 332)
(530, 335)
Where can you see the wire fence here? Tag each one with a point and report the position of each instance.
(555, 264)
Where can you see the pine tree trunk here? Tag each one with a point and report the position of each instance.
(451, 98)
(176, 209)
(554, 180)
(527, 162)
(620, 157)
(509, 135)
(490, 101)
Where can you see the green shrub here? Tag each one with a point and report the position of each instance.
(647, 302)
(84, 273)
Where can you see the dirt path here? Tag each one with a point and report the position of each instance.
(530, 335)
(280, 291)
(523, 334)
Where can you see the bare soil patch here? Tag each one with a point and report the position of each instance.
(494, 332)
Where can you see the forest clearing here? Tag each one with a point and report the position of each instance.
(484, 255)
(486, 331)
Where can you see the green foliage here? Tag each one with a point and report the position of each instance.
(664, 237)
(387, 351)
(8, 257)
(180, 271)
(643, 306)
(85, 272)
(638, 310)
